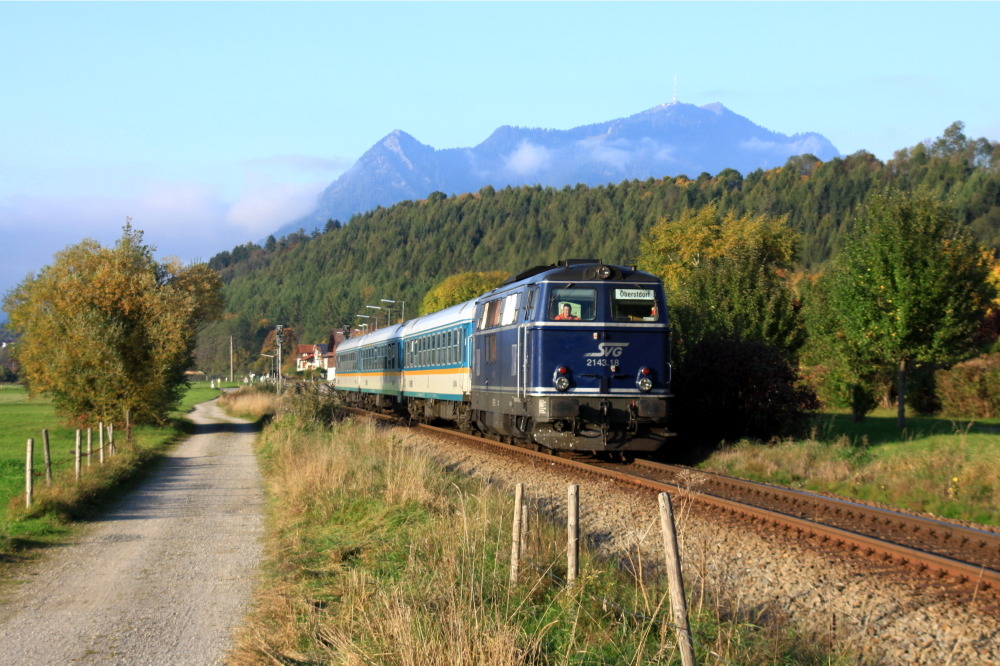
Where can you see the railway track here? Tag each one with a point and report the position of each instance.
(964, 560)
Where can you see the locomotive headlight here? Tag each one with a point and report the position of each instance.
(560, 378)
(604, 272)
(644, 382)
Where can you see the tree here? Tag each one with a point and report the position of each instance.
(270, 244)
(673, 250)
(726, 277)
(331, 225)
(460, 288)
(849, 374)
(911, 284)
(109, 332)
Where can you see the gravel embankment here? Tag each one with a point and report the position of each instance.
(832, 595)
(163, 578)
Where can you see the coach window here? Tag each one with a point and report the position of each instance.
(573, 304)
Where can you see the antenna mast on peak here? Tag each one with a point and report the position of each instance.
(675, 90)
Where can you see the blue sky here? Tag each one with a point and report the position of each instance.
(213, 124)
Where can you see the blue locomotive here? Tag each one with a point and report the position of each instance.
(574, 356)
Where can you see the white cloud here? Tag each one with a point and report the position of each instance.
(757, 145)
(266, 204)
(528, 158)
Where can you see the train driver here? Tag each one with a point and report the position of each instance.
(566, 314)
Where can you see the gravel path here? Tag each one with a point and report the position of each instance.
(163, 577)
(841, 601)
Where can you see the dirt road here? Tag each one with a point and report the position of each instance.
(163, 577)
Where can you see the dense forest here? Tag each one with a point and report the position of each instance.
(320, 280)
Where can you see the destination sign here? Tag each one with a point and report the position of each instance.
(635, 294)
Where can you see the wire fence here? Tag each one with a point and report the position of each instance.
(678, 603)
(605, 602)
(77, 456)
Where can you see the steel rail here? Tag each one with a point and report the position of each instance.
(921, 532)
(983, 578)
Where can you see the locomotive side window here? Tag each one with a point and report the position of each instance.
(494, 313)
(491, 348)
(634, 305)
(573, 304)
(510, 309)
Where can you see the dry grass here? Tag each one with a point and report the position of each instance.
(249, 403)
(378, 556)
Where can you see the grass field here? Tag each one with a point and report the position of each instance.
(22, 418)
(377, 555)
(937, 465)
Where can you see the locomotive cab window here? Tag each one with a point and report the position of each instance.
(634, 305)
(573, 304)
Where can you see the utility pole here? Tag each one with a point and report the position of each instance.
(280, 338)
(230, 359)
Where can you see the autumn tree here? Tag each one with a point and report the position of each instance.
(726, 276)
(459, 288)
(911, 284)
(108, 332)
(736, 323)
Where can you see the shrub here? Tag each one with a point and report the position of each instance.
(971, 389)
(729, 389)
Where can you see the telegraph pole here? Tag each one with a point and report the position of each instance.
(230, 359)
(280, 338)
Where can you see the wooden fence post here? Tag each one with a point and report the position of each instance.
(100, 437)
(78, 454)
(111, 439)
(573, 534)
(524, 528)
(29, 481)
(48, 457)
(515, 539)
(676, 583)
(90, 445)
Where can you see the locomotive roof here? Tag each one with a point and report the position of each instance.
(580, 270)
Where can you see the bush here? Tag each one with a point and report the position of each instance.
(729, 389)
(971, 389)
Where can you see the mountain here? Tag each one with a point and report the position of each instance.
(667, 140)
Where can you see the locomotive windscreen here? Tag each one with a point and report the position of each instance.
(573, 304)
(634, 305)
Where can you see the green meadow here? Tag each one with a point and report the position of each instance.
(942, 466)
(22, 418)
